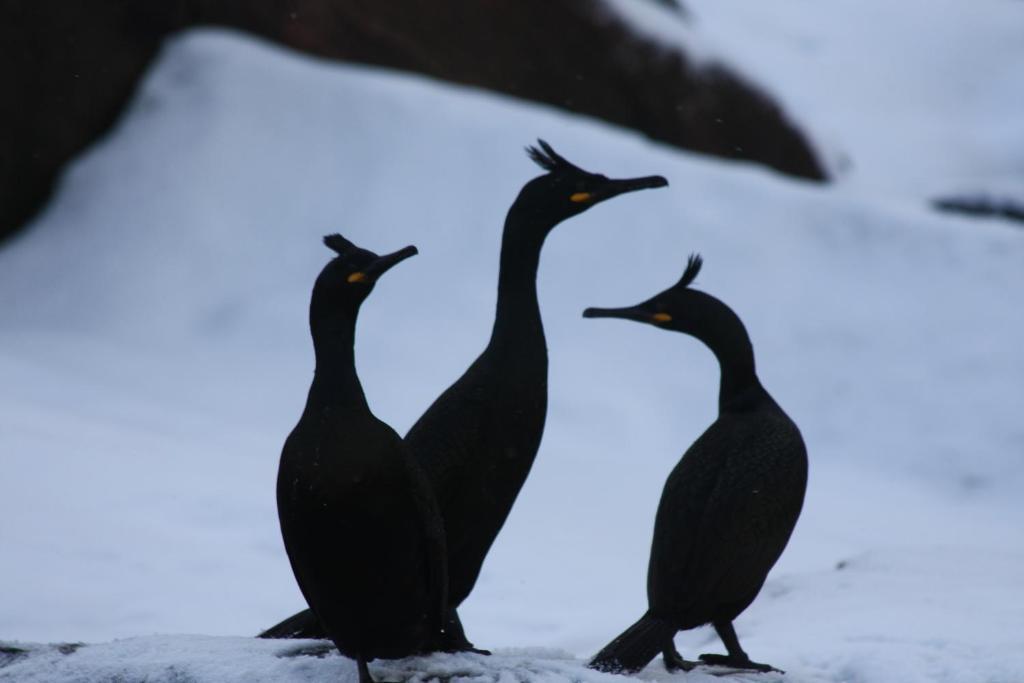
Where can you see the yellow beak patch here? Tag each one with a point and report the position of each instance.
(356, 277)
(580, 197)
(661, 317)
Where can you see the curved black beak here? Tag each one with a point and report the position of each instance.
(637, 313)
(615, 187)
(387, 261)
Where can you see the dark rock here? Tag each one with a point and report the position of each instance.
(983, 206)
(9, 654)
(66, 71)
(68, 68)
(573, 54)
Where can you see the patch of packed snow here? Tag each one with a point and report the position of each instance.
(155, 353)
(188, 658)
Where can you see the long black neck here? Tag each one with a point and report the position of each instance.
(335, 382)
(517, 315)
(724, 333)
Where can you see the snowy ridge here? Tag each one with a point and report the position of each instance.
(920, 98)
(155, 353)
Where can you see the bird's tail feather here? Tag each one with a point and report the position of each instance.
(635, 647)
(301, 625)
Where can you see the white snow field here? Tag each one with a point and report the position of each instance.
(154, 353)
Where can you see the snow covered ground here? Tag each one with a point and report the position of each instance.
(154, 353)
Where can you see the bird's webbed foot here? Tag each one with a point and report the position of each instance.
(734, 662)
(674, 661)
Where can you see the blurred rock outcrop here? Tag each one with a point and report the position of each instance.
(983, 205)
(68, 68)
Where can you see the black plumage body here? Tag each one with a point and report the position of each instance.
(361, 534)
(478, 440)
(728, 507)
(726, 513)
(358, 518)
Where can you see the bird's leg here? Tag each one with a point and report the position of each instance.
(736, 658)
(454, 637)
(674, 661)
(364, 671)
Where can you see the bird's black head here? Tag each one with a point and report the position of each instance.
(678, 308)
(345, 282)
(566, 190)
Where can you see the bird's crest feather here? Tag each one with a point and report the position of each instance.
(338, 243)
(693, 265)
(547, 158)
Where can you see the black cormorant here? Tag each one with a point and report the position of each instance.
(477, 441)
(728, 507)
(359, 520)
